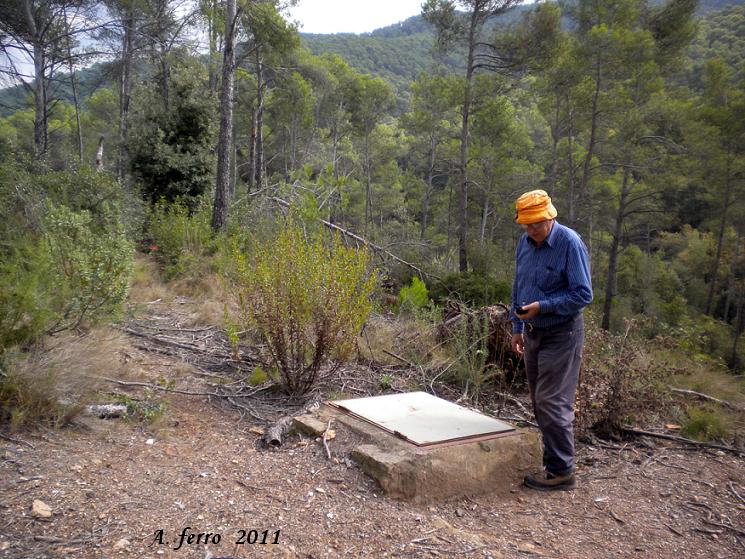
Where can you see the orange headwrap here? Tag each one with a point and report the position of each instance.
(533, 207)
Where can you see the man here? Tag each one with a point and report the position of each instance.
(552, 285)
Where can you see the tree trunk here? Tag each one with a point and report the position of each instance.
(368, 203)
(554, 169)
(610, 284)
(225, 141)
(570, 165)
(99, 155)
(125, 91)
(720, 237)
(76, 103)
(259, 153)
(484, 217)
(41, 133)
(428, 188)
(739, 326)
(463, 164)
(584, 181)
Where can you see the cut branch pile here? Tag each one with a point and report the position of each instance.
(499, 344)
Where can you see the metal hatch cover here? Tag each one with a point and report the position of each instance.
(421, 418)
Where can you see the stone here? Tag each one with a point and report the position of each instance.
(427, 474)
(308, 425)
(122, 544)
(40, 509)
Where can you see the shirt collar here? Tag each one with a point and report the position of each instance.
(548, 241)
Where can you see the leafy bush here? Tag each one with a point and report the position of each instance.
(49, 387)
(470, 343)
(181, 237)
(306, 300)
(704, 425)
(90, 267)
(620, 382)
(413, 296)
(472, 289)
(25, 312)
(75, 272)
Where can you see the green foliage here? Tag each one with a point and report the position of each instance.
(149, 409)
(171, 148)
(64, 262)
(181, 237)
(471, 288)
(29, 398)
(469, 343)
(90, 268)
(621, 382)
(306, 300)
(413, 296)
(704, 425)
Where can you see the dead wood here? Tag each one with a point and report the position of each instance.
(274, 435)
(497, 318)
(325, 439)
(370, 244)
(708, 398)
(701, 444)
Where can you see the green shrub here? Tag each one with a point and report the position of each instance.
(472, 289)
(704, 425)
(25, 311)
(77, 271)
(90, 267)
(306, 300)
(413, 296)
(470, 341)
(181, 237)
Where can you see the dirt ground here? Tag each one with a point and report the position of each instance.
(130, 489)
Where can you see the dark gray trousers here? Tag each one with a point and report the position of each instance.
(552, 360)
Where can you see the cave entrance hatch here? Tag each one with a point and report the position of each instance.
(423, 419)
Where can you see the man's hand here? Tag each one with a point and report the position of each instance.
(531, 310)
(518, 345)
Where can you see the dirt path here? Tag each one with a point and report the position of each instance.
(122, 489)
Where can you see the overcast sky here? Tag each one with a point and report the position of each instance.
(351, 16)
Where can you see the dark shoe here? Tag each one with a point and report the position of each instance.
(550, 482)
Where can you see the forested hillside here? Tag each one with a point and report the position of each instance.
(630, 113)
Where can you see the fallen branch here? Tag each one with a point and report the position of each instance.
(703, 396)
(325, 439)
(409, 363)
(702, 444)
(364, 241)
(161, 388)
(17, 441)
(56, 540)
(727, 526)
(275, 434)
(731, 486)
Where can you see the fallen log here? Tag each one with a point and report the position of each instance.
(497, 317)
(275, 434)
(702, 444)
(708, 398)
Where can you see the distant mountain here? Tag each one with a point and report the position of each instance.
(398, 53)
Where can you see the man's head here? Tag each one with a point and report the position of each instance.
(535, 212)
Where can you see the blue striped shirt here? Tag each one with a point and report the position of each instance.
(556, 274)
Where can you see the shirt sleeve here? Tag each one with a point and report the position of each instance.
(517, 325)
(579, 289)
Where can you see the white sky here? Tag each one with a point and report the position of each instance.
(351, 16)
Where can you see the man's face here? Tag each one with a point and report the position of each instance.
(538, 231)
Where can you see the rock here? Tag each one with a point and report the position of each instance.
(122, 544)
(150, 442)
(40, 509)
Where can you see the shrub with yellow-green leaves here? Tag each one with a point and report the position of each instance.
(307, 299)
